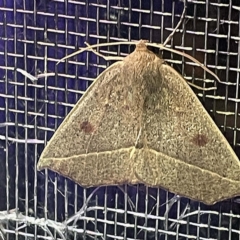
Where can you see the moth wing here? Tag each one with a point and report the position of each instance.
(92, 146)
(186, 153)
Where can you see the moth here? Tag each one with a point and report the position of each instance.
(140, 122)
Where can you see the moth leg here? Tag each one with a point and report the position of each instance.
(201, 88)
(179, 23)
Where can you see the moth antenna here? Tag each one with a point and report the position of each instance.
(107, 58)
(170, 36)
(183, 54)
(160, 46)
(94, 46)
(201, 88)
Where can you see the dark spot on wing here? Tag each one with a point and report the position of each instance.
(139, 145)
(87, 127)
(200, 140)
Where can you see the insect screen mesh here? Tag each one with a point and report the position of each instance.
(36, 95)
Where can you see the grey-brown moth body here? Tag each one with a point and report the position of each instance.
(140, 122)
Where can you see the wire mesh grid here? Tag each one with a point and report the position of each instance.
(36, 95)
